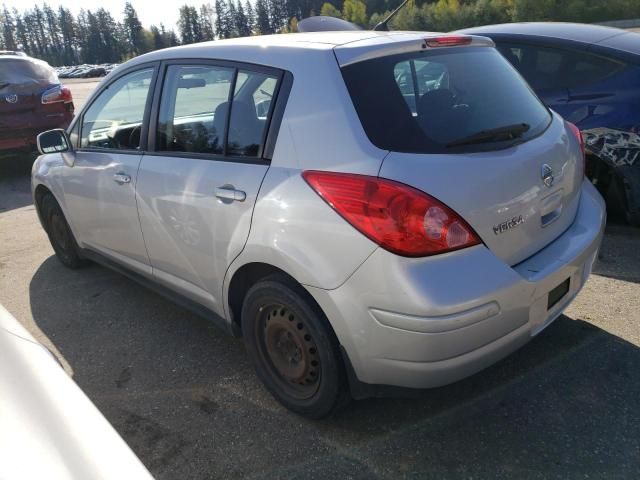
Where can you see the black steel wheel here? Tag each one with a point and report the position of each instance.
(60, 236)
(293, 348)
(287, 346)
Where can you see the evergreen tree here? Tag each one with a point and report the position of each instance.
(278, 14)
(6, 21)
(251, 17)
(223, 25)
(53, 33)
(241, 21)
(206, 22)
(263, 22)
(157, 39)
(106, 45)
(22, 37)
(230, 20)
(68, 34)
(189, 25)
(133, 31)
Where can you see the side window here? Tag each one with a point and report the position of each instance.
(249, 113)
(586, 69)
(544, 68)
(114, 119)
(553, 68)
(193, 109)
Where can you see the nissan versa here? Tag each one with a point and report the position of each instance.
(366, 209)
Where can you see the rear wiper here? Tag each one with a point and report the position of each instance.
(508, 132)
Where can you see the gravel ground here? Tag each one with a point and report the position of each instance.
(184, 397)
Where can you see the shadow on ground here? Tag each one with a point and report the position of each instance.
(184, 397)
(15, 180)
(617, 258)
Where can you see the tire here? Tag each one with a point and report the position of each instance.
(620, 193)
(293, 349)
(59, 233)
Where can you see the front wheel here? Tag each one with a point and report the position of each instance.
(60, 236)
(293, 348)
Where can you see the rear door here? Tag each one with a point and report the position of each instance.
(197, 190)
(444, 147)
(100, 187)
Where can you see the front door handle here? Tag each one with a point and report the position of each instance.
(227, 192)
(121, 178)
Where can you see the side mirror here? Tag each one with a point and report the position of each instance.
(54, 141)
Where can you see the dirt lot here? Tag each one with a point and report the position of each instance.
(184, 397)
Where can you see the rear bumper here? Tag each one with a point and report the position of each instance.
(16, 137)
(428, 322)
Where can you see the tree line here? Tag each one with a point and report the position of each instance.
(62, 38)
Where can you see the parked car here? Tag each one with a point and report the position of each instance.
(590, 74)
(32, 100)
(361, 232)
(85, 71)
(13, 53)
(50, 429)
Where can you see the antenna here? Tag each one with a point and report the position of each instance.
(382, 26)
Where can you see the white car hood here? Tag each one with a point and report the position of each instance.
(48, 426)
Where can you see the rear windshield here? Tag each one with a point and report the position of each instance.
(20, 72)
(447, 100)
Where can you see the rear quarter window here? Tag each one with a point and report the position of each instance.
(555, 68)
(422, 102)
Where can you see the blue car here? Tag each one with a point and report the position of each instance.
(590, 74)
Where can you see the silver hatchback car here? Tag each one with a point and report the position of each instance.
(366, 209)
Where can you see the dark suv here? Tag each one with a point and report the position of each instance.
(589, 74)
(32, 100)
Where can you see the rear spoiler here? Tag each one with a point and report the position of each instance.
(404, 42)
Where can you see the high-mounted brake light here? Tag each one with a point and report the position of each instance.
(399, 218)
(448, 41)
(57, 94)
(576, 132)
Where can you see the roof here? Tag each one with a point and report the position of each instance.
(300, 40)
(579, 32)
(286, 50)
(601, 35)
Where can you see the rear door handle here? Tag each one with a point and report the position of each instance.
(121, 178)
(227, 192)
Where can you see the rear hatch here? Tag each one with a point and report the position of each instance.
(22, 82)
(463, 126)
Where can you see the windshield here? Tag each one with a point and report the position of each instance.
(446, 100)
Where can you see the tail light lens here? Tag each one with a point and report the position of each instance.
(57, 94)
(397, 217)
(576, 132)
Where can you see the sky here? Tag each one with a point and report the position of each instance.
(150, 12)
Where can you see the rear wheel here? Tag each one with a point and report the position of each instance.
(293, 349)
(60, 236)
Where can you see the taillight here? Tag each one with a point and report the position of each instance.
(448, 41)
(397, 217)
(57, 94)
(576, 132)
